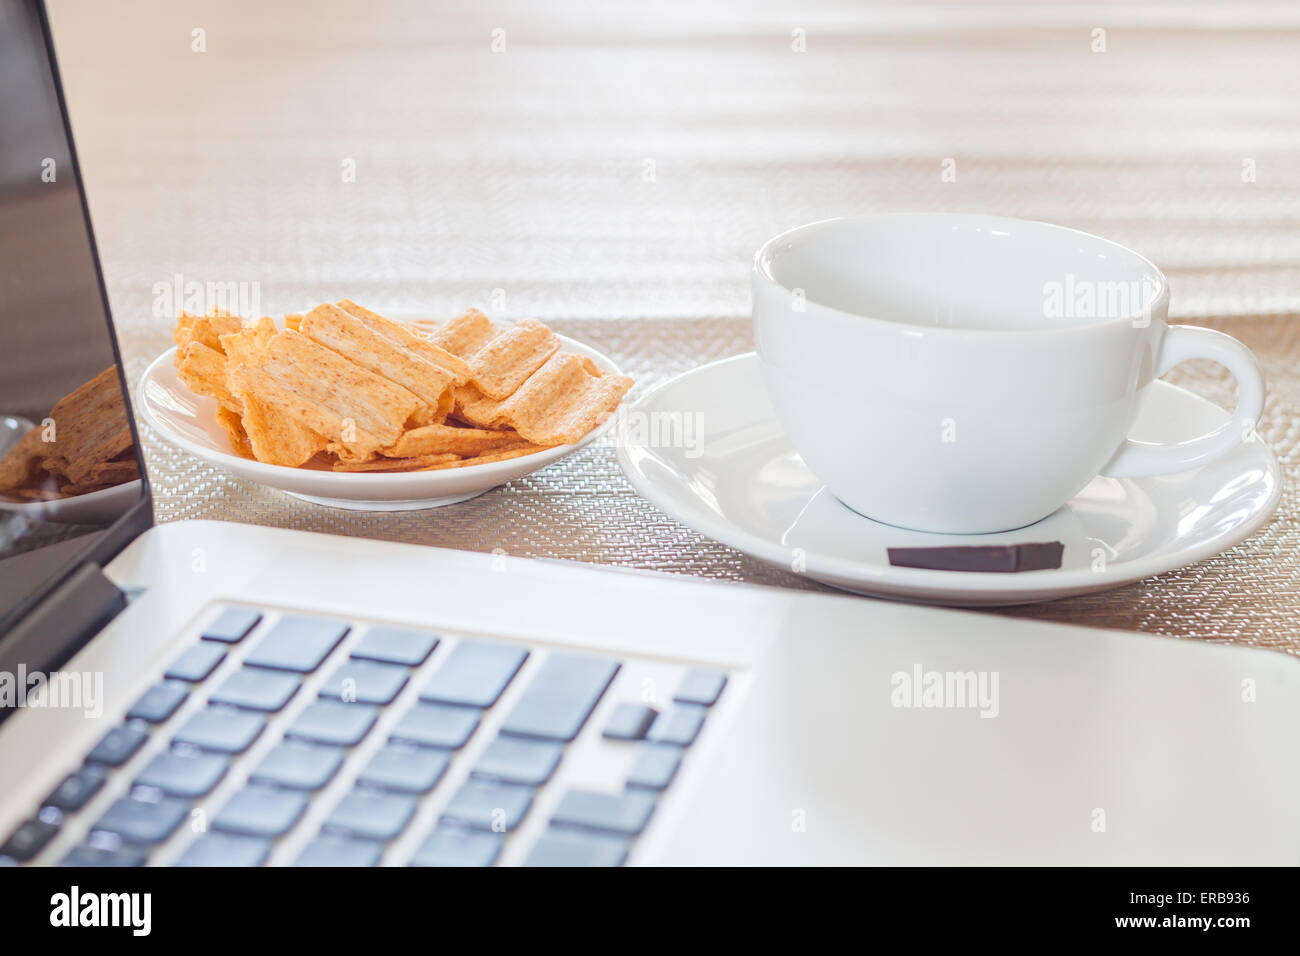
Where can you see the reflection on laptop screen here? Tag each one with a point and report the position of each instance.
(68, 462)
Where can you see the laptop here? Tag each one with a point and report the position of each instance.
(216, 694)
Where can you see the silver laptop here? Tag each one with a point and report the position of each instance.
(215, 694)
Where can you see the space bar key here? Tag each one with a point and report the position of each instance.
(562, 695)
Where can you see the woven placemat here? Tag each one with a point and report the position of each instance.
(583, 509)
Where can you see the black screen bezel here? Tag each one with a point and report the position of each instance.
(102, 546)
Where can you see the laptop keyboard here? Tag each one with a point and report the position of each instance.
(473, 734)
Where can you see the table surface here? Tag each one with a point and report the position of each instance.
(611, 168)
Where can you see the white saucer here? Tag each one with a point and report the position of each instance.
(743, 484)
(190, 422)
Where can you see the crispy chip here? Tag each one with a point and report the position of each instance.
(443, 439)
(557, 405)
(465, 334)
(203, 370)
(350, 336)
(416, 463)
(504, 455)
(183, 331)
(501, 356)
(293, 321)
(209, 328)
(510, 356)
(277, 431)
(234, 429)
(403, 335)
(327, 393)
(246, 346)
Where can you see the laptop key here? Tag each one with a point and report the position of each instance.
(701, 685)
(391, 645)
(299, 765)
(626, 813)
(408, 769)
(119, 745)
(225, 849)
(629, 722)
(159, 702)
(255, 689)
(332, 722)
(679, 725)
(77, 788)
(261, 811)
(365, 681)
(339, 851)
(436, 725)
(196, 663)
(221, 729)
(140, 821)
(125, 855)
(297, 644)
(474, 674)
(29, 839)
(562, 695)
(371, 815)
(520, 760)
(232, 625)
(448, 846)
(180, 774)
(577, 848)
(490, 805)
(654, 767)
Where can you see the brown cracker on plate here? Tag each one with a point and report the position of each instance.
(407, 337)
(465, 334)
(349, 336)
(444, 439)
(284, 424)
(504, 454)
(501, 356)
(363, 411)
(247, 345)
(233, 426)
(206, 329)
(557, 405)
(204, 371)
(510, 356)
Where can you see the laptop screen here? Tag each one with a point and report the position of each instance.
(69, 466)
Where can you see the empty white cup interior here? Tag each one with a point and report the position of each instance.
(973, 273)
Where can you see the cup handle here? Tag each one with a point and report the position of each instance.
(1141, 459)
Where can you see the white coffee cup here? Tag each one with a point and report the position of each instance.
(970, 374)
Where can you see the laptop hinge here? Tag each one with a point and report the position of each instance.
(60, 625)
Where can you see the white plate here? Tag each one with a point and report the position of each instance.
(189, 421)
(94, 507)
(743, 484)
